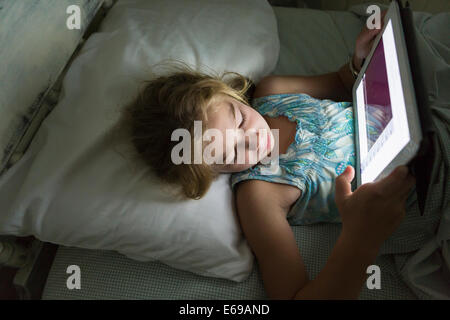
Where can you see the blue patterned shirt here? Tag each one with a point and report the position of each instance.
(322, 149)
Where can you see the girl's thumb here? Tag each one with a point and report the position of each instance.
(343, 183)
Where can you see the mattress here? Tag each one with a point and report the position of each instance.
(312, 42)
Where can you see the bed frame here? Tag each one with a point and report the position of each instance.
(30, 257)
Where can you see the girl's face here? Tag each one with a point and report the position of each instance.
(254, 140)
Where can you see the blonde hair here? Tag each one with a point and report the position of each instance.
(172, 101)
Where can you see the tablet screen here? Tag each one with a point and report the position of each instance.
(382, 122)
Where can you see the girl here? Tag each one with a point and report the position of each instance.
(311, 182)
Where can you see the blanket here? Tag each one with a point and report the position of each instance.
(421, 245)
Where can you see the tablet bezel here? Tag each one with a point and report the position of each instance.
(411, 148)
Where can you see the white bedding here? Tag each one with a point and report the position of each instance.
(81, 184)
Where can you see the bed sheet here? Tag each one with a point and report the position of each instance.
(312, 42)
(109, 275)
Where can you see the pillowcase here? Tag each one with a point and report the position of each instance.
(72, 187)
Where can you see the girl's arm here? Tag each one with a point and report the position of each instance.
(336, 86)
(262, 208)
(369, 216)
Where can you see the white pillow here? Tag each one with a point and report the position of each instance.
(72, 188)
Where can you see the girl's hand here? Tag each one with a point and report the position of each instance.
(373, 212)
(364, 42)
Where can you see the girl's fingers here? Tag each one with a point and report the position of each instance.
(394, 183)
(370, 34)
(383, 14)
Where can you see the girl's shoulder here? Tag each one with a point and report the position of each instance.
(282, 98)
(296, 104)
(280, 103)
(284, 194)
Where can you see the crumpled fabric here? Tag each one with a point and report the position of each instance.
(421, 245)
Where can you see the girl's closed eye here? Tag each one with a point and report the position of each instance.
(244, 118)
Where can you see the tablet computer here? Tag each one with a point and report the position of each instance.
(388, 95)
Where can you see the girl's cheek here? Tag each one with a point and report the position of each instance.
(251, 158)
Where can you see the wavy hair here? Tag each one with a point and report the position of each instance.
(175, 100)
